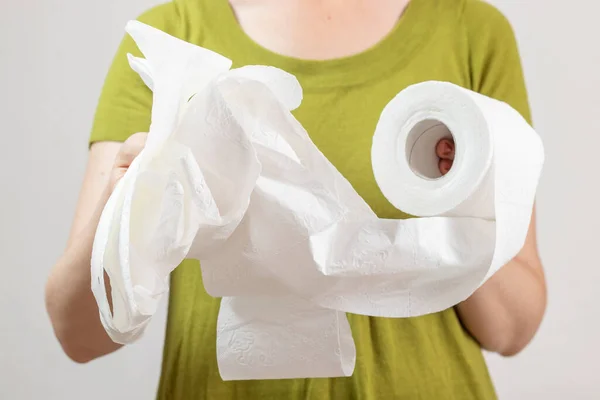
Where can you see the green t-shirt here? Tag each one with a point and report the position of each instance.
(467, 42)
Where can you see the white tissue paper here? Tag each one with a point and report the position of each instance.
(230, 178)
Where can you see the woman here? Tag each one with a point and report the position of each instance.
(351, 59)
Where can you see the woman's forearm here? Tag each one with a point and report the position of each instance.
(506, 312)
(69, 300)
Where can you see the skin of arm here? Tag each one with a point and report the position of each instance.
(505, 313)
(69, 300)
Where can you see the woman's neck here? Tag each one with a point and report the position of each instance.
(317, 29)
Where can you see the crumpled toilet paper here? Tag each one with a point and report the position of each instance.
(231, 178)
(167, 200)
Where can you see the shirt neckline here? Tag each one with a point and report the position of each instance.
(392, 52)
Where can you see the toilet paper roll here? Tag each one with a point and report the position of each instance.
(497, 164)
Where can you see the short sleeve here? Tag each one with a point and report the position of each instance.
(494, 58)
(125, 103)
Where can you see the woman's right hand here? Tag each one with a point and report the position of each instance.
(128, 151)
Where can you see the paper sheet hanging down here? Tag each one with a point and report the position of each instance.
(232, 179)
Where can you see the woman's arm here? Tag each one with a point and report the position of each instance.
(124, 107)
(506, 312)
(69, 299)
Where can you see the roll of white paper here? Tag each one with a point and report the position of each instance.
(496, 169)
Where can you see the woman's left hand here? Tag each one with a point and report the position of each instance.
(505, 313)
(445, 152)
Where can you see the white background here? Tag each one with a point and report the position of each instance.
(53, 58)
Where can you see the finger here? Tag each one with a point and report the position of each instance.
(445, 149)
(444, 166)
